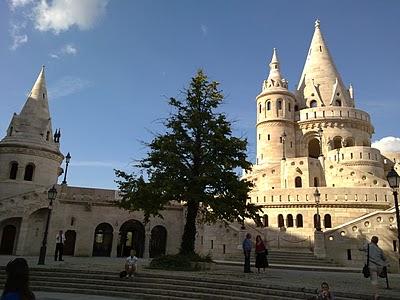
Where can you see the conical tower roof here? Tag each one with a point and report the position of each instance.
(274, 80)
(33, 125)
(320, 79)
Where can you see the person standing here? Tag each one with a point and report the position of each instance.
(17, 283)
(60, 240)
(376, 263)
(261, 254)
(247, 252)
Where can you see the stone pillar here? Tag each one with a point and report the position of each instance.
(22, 236)
(146, 252)
(114, 252)
(319, 244)
(321, 159)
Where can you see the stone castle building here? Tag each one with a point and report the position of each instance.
(310, 138)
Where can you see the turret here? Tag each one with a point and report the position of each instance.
(275, 117)
(320, 83)
(28, 152)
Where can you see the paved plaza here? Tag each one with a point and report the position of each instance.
(339, 280)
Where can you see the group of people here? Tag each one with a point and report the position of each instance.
(261, 252)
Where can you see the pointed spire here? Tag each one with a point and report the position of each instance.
(320, 68)
(274, 79)
(37, 105)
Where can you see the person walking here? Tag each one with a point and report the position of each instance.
(261, 254)
(247, 252)
(17, 283)
(376, 263)
(60, 240)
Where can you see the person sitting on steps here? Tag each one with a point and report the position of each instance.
(131, 264)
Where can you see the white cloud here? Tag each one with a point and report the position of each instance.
(59, 15)
(69, 49)
(66, 86)
(18, 3)
(204, 29)
(17, 37)
(53, 55)
(388, 144)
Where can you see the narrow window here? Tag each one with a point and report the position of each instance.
(289, 107)
(289, 220)
(279, 104)
(223, 249)
(259, 136)
(299, 220)
(259, 108)
(269, 105)
(306, 116)
(265, 221)
(296, 108)
(44, 96)
(348, 254)
(280, 139)
(327, 221)
(394, 245)
(29, 169)
(338, 102)
(313, 103)
(11, 131)
(47, 135)
(297, 182)
(320, 48)
(291, 144)
(13, 170)
(269, 137)
(315, 114)
(316, 182)
(351, 155)
(212, 244)
(281, 222)
(72, 221)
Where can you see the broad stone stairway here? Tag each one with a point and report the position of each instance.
(158, 286)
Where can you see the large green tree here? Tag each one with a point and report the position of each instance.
(195, 163)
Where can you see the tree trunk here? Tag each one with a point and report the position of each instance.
(189, 232)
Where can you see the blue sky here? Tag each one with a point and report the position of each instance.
(111, 65)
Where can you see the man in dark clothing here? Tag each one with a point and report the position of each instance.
(60, 240)
(247, 252)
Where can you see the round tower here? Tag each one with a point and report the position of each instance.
(29, 153)
(275, 117)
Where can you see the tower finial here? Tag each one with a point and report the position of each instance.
(317, 23)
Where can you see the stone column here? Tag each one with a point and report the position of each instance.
(146, 252)
(319, 244)
(114, 252)
(22, 236)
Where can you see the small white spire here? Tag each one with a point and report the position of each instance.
(317, 23)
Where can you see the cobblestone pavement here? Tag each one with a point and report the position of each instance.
(339, 281)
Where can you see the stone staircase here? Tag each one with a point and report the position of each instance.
(289, 258)
(159, 286)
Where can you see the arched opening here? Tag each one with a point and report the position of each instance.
(259, 111)
(265, 221)
(29, 170)
(337, 142)
(8, 239)
(327, 221)
(316, 181)
(268, 105)
(279, 104)
(131, 236)
(70, 239)
(313, 103)
(297, 182)
(13, 170)
(281, 221)
(299, 220)
(103, 238)
(158, 241)
(296, 108)
(349, 142)
(36, 228)
(314, 148)
(338, 102)
(289, 220)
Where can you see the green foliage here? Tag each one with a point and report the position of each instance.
(193, 162)
(179, 262)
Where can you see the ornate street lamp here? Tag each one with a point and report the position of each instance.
(67, 159)
(317, 196)
(51, 195)
(394, 180)
(283, 146)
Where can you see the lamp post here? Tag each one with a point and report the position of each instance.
(317, 196)
(67, 159)
(283, 146)
(51, 195)
(394, 180)
(320, 131)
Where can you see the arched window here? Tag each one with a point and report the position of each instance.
(337, 142)
(349, 142)
(281, 222)
(338, 102)
(13, 170)
(296, 108)
(29, 169)
(327, 221)
(289, 107)
(313, 103)
(289, 220)
(299, 220)
(47, 135)
(279, 103)
(297, 182)
(316, 181)
(265, 221)
(314, 148)
(268, 105)
(259, 108)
